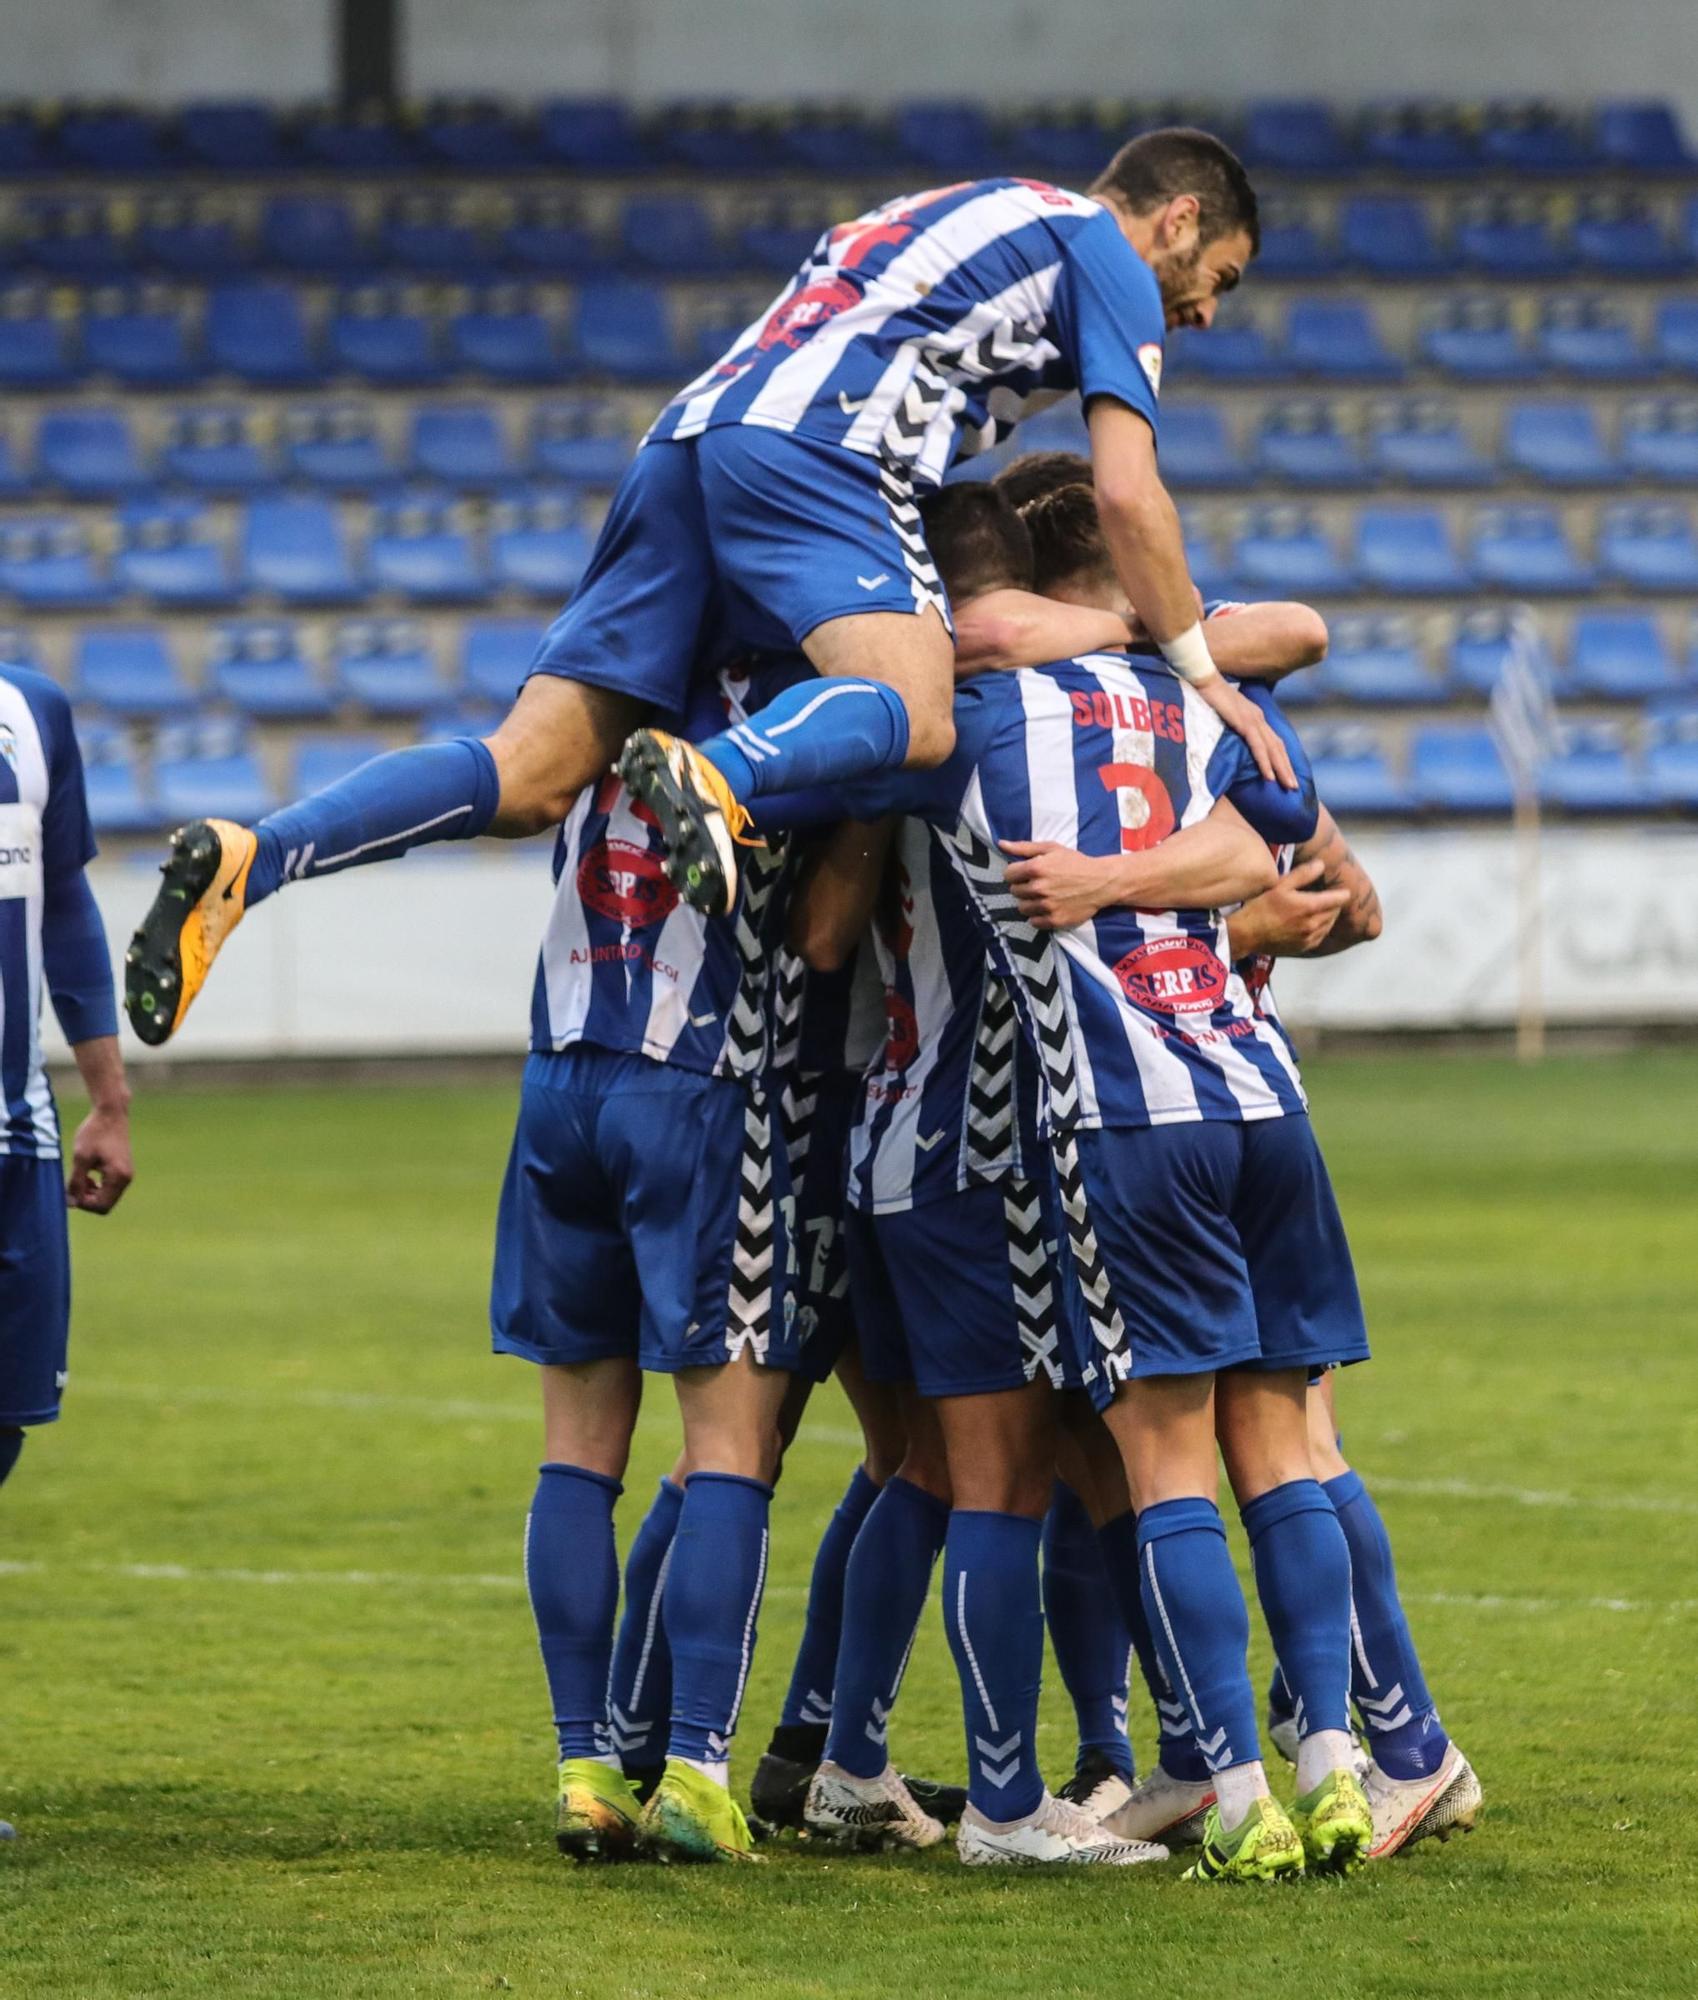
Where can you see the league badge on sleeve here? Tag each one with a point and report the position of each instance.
(1149, 359)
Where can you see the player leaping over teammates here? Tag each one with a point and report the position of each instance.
(775, 497)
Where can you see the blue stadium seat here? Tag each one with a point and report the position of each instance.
(385, 334)
(1210, 572)
(112, 138)
(1456, 768)
(1064, 142)
(1197, 448)
(1479, 649)
(1560, 444)
(586, 441)
(327, 760)
(23, 146)
(594, 134)
(1675, 342)
(1512, 236)
(421, 550)
(1649, 547)
(1476, 340)
(477, 134)
(46, 563)
(1594, 772)
(90, 454)
(1671, 754)
(1379, 661)
(1422, 443)
(128, 670)
(169, 554)
(1644, 137)
(952, 135)
(259, 333)
(142, 337)
(1620, 656)
(315, 233)
(15, 478)
(337, 445)
(257, 666)
(18, 649)
(366, 137)
(386, 665)
(296, 549)
(498, 656)
(462, 444)
(673, 234)
(37, 344)
(1240, 351)
(192, 236)
(537, 543)
(550, 234)
(1061, 428)
(717, 137)
(216, 448)
(239, 135)
(119, 796)
(72, 237)
(1303, 444)
(435, 234)
(838, 139)
(1297, 136)
(1353, 774)
(1339, 339)
(1619, 236)
(1393, 237)
(1535, 139)
(208, 770)
(625, 330)
(505, 333)
(1422, 139)
(1659, 440)
(1524, 549)
(779, 234)
(1594, 338)
(1285, 552)
(1408, 551)
(1295, 242)
(462, 718)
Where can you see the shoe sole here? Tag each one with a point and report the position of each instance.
(604, 1836)
(1338, 1852)
(692, 862)
(871, 1837)
(153, 965)
(983, 1857)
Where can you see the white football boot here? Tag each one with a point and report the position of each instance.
(867, 1812)
(1096, 1787)
(1410, 1809)
(1057, 1832)
(1163, 1808)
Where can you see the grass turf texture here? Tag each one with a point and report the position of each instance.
(274, 1721)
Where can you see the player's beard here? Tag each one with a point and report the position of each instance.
(1177, 277)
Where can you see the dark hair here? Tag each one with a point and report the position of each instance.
(1067, 536)
(977, 540)
(1156, 167)
(1023, 479)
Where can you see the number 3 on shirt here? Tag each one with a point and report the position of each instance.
(1130, 782)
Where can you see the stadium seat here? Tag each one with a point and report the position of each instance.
(1393, 237)
(505, 333)
(593, 134)
(462, 718)
(337, 445)
(438, 235)
(1339, 339)
(386, 665)
(208, 770)
(462, 444)
(18, 649)
(326, 760)
(119, 796)
(498, 655)
(550, 235)
(257, 666)
(1408, 551)
(89, 454)
(1659, 440)
(1620, 237)
(47, 565)
(15, 479)
(1525, 550)
(477, 134)
(1479, 649)
(365, 137)
(296, 549)
(1676, 339)
(1644, 137)
(259, 333)
(1593, 772)
(1240, 351)
(673, 235)
(421, 550)
(950, 135)
(779, 234)
(217, 450)
(1421, 139)
(169, 554)
(1511, 236)
(1476, 340)
(192, 236)
(717, 138)
(1559, 444)
(1649, 547)
(238, 135)
(1456, 768)
(1354, 776)
(1209, 570)
(1422, 443)
(1671, 754)
(1058, 141)
(142, 338)
(586, 441)
(1620, 656)
(384, 333)
(72, 238)
(1304, 445)
(1379, 662)
(23, 143)
(37, 344)
(1297, 136)
(1197, 448)
(111, 138)
(1591, 337)
(314, 233)
(537, 544)
(1284, 552)
(837, 139)
(128, 670)
(625, 330)
(1295, 242)
(1535, 139)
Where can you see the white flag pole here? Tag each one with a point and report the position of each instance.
(1530, 925)
(1524, 723)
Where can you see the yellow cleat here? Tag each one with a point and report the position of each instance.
(690, 1818)
(701, 820)
(203, 897)
(596, 1819)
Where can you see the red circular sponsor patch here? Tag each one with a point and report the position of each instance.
(626, 883)
(1172, 974)
(901, 1031)
(806, 311)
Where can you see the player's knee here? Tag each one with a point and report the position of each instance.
(535, 795)
(931, 735)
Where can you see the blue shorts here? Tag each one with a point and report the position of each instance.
(641, 1216)
(741, 537)
(1223, 1247)
(818, 1109)
(35, 1290)
(960, 1297)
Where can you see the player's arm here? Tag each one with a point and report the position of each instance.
(1005, 629)
(1219, 860)
(1326, 904)
(831, 910)
(1266, 641)
(78, 972)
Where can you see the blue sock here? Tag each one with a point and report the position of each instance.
(1200, 1626)
(1385, 1679)
(1281, 1707)
(433, 791)
(884, 1592)
(808, 1703)
(713, 1595)
(1177, 1751)
(572, 1574)
(819, 732)
(1302, 1567)
(11, 1443)
(1086, 1629)
(993, 1612)
(639, 1694)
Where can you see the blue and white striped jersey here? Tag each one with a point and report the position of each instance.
(825, 1023)
(1137, 1018)
(924, 330)
(44, 836)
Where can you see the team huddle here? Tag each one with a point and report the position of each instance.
(904, 1013)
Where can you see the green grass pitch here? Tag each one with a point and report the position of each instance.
(272, 1720)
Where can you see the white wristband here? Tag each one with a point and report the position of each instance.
(1189, 657)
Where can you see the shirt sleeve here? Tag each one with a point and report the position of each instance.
(75, 959)
(1276, 814)
(1107, 317)
(67, 837)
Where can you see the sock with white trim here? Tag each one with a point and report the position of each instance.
(819, 732)
(407, 798)
(806, 1715)
(713, 1597)
(640, 1688)
(572, 1574)
(1177, 1751)
(1092, 1645)
(994, 1616)
(1200, 1626)
(1302, 1567)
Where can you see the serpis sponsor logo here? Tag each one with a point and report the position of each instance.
(626, 883)
(1172, 974)
(806, 312)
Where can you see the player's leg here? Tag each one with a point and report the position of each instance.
(639, 1694)
(1092, 1647)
